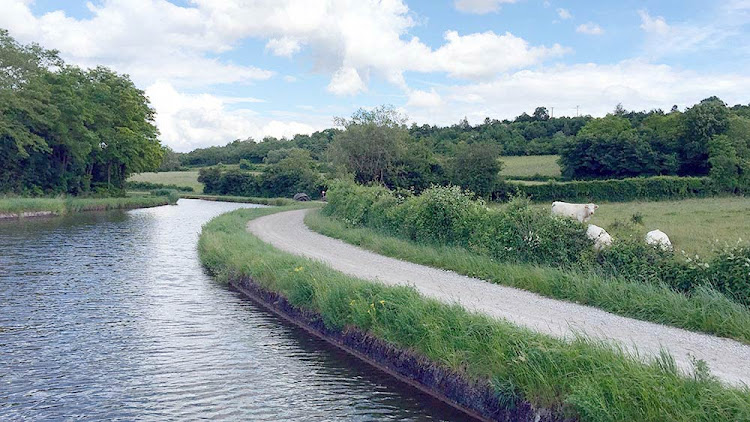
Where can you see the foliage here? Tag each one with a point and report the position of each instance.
(450, 216)
(290, 175)
(578, 379)
(130, 185)
(66, 130)
(629, 189)
(67, 205)
(475, 167)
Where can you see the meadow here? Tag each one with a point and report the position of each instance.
(179, 178)
(530, 165)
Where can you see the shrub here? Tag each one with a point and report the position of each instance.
(639, 188)
(151, 186)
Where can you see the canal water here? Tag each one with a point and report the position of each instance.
(110, 316)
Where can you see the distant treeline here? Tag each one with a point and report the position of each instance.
(68, 130)
(708, 139)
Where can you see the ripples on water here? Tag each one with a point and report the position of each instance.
(110, 316)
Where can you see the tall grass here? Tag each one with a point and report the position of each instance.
(67, 205)
(580, 379)
(279, 202)
(705, 310)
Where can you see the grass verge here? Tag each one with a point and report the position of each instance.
(16, 206)
(581, 379)
(705, 310)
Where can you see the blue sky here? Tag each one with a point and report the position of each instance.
(218, 70)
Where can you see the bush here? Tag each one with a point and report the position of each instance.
(638, 188)
(172, 195)
(151, 186)
(450, 216)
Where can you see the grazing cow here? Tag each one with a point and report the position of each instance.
(660, 239)
(600, 237)
(581, 212)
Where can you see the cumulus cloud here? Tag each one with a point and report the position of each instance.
(564, 13)
(189, 121)
(590, 28)
(480, 7)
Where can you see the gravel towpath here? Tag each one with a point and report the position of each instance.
(728, 359)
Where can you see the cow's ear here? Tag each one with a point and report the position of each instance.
(596, 206)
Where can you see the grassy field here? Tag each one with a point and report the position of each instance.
(693, 225)
(579, 379)
(531, 165)
(179, 178)
(62, 205)
(704, 310)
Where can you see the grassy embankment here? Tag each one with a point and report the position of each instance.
(68, 205)
(581, 379)
(280, 202)
(705, 310)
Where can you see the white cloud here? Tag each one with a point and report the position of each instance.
(346, 81)
(564, 13)
(480, 55)
(290, 78)
(636, 84)
(590, 28)
(424, 99)
(189, 121)
(663, 39)
(351, 40)
(480, 7)
(284, 46)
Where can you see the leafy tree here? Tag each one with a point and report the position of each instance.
(702, 122)
(476, 167)
(371, 143)
(541, 113)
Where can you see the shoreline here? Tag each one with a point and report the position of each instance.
(478, 400)
(60, 207)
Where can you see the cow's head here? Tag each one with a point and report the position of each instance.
(590, 208)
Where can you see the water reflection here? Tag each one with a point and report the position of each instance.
(111, 316)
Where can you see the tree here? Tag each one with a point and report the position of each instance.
(541, 113)
(608, 147)
(371, 143)
(702, 122)
(292, 174)
(475, 167)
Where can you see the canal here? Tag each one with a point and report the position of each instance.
(111, 316)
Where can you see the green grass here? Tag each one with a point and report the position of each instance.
(179, 178)
(63, 205)
(579, 379)
(530, 165)
(706, 310)
(693, 225)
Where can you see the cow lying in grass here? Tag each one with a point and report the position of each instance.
(600, 237)
(581, 212)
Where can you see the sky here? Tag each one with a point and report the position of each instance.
(219, 70)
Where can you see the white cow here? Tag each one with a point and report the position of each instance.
(660, 239)
(581, 212)
(600, 237)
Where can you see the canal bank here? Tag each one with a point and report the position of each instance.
(26, 207)
(557, 380)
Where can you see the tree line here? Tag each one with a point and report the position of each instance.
(68, 130)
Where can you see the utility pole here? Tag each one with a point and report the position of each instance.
(552, 113)
(577, 111)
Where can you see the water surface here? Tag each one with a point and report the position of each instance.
(110, 316)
